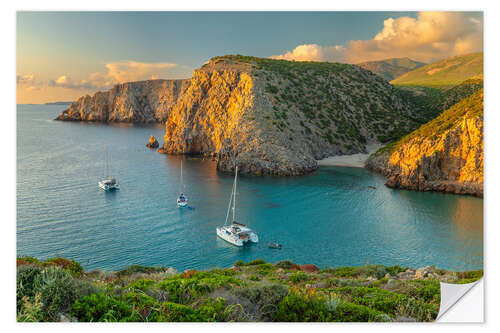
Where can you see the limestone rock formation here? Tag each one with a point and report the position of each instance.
(445, 154)
(152, 143)
(138, 102)
(275, 117)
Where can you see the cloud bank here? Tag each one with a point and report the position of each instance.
(122, 71)
(430, 36)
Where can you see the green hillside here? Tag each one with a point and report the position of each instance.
(392, 68)
(448, 72)
(469, 107)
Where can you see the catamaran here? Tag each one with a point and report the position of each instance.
(109, 183)
(236, 233)
(182, 200)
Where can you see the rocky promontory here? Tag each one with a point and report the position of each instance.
(277, 117)
(137, 102)
(444, 155)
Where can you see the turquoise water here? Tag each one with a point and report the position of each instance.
(331, 217)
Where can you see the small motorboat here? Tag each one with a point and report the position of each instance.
(274, 246)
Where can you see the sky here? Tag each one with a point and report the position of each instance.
(64, 55)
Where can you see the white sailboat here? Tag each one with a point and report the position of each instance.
(182, 200)
(236, 233)
(108, 183)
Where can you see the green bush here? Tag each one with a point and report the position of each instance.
(255, 262)
(301, 308)
(26, 276)
(57, 290)
(285, 264)
(99, 307)
(266, 297)
(70, 265)
(298, 277)
(349, 312)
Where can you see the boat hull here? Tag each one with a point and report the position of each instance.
(107, 187)
(182, 203)
(228, 237)
(234, 239)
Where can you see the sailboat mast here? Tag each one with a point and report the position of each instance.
(181, 176)
(106, 162)
(235, 187)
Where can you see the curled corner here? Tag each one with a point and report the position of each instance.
(451, 294)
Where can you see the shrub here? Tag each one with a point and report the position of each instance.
(178, 312)
(239, 263)
(349, 312)
(266, 297)
(31, 311)
(25, 283)
(298, 277)
(142, 284)
(70, 265)
(285, 264)
(301, 308)
(99, 307)
(255, 262)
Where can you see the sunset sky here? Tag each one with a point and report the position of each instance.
(64, 55)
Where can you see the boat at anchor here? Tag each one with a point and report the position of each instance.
(236, 233)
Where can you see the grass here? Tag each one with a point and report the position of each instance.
(444, 73)
(252, 291)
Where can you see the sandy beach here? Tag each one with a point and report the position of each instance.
(354, 160)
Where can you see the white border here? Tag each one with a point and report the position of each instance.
(8, 136)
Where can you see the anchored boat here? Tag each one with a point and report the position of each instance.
(236, 233)
(109, 183)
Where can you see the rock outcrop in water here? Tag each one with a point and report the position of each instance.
(137, 102)
(276, 117)
(152, 143)
(445, 154)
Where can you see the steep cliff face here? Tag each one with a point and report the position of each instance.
(277, 117)
(141, 102)
(445, 154)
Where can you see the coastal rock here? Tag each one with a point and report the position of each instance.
(443, 155)
(152, 143)
(309, 268)
(274, 117)
(133, 102)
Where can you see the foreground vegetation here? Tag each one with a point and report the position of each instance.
(60, 290)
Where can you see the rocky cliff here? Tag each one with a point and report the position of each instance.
(141, 102)
(445, 154)
(278, 117)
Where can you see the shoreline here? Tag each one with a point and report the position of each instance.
(353, 161)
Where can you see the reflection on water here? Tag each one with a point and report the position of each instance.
(332, 217)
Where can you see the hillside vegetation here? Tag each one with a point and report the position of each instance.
(60, 290)
(445, 154)
(389, 69)
(444, 73)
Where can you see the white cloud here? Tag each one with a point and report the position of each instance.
(313, 52)
(430, 36)
(119, 72)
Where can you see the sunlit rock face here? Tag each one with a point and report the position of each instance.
(444, 155)
(248, 115)
(138, 102)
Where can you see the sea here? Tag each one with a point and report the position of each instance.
(336, 216)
